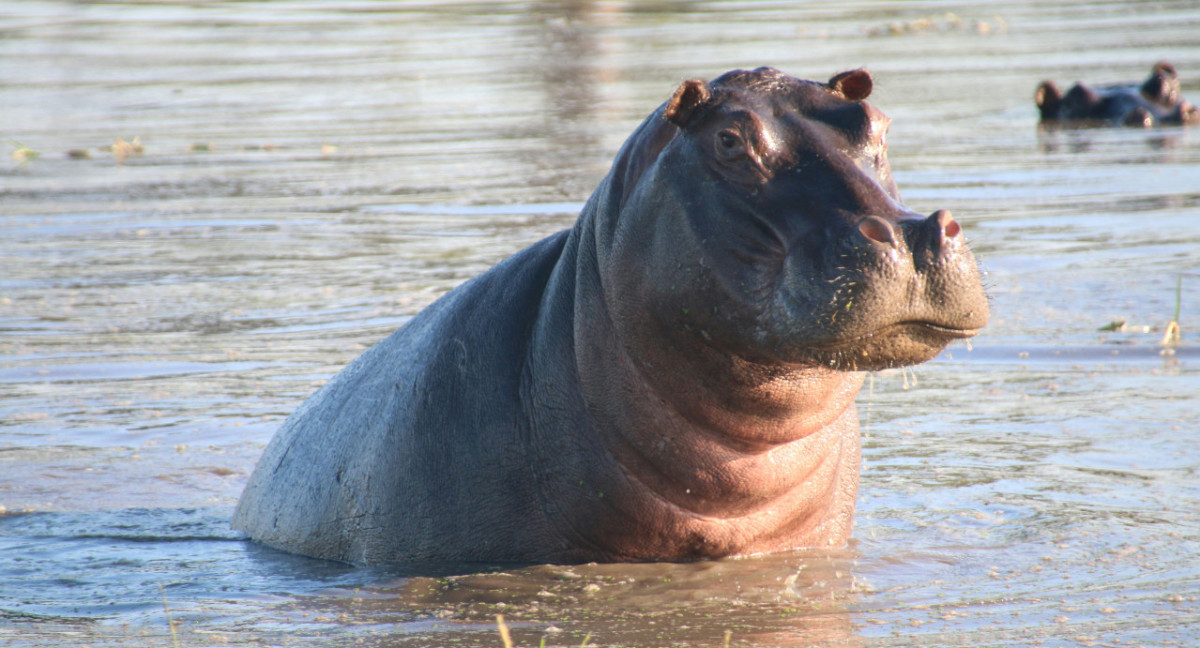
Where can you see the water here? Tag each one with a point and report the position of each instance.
(313, 173)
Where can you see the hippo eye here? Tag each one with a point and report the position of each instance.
(730, 145)
(729, 140)
(737, 158)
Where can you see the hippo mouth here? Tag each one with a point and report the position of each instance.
(899, 344)
(913, 327)
(951, 332)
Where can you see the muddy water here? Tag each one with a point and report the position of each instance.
(297, 179)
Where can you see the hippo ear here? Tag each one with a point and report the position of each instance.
(1163, 84)
(1047, 95)
(854, 85)
(689, 95)
(1165, 68)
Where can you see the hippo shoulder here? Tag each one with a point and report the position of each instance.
(431, 407)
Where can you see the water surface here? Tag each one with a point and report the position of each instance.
(308, 175)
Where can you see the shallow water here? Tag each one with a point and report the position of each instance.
(313, 173)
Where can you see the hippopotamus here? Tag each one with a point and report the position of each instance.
(1155, 101)
(672, 378)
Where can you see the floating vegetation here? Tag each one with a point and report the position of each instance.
(1171, 332)
(506, 637)
(1171, 335)
(503, 628)
(947, 22)
(23, 154)
(123, 150)
(170, 621)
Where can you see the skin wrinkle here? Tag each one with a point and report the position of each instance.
(801, 525)
(794, 514)
(745, 526)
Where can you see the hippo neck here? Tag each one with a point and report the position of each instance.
(718, 455)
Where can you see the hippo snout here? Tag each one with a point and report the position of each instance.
(909, 285)
(930, 233)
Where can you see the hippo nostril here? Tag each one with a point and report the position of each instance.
(877, 230)
(946, 223)
(929, 239)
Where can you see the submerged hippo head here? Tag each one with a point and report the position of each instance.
(1157, 100)
(801, 251)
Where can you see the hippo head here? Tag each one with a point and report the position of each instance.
(1162, 86)
(763, 219)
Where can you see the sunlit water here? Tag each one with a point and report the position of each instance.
(312, 173)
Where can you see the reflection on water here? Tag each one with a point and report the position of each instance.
(311, 174)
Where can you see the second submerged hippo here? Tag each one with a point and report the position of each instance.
(1155, 101)
(672, 378)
